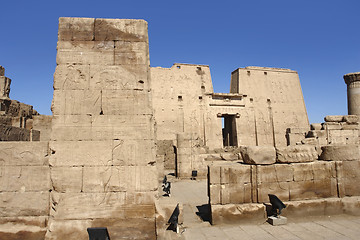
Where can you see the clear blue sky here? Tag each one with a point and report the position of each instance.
(319, 39)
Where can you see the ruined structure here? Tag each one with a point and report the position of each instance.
(118, 126)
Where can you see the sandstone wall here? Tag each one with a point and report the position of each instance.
(277, 99)
(24, 190)
(234, 184)
(103, 165)
(179, 99)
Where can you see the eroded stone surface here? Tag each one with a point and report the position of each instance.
(258, 155)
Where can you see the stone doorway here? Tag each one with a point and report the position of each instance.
(229, 130)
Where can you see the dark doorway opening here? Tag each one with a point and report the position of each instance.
(229, 130)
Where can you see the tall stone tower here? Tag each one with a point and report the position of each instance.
(103, 170)
(352, 81)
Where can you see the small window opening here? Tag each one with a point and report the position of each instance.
(248, 73)
(141, 81)
(178, 67)
(180, 98)
(200, 97)
(199, 68)
(265, 73)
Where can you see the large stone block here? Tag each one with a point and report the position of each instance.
(293, 154)
(16, 204)
(76, 29)
(85, 52)
(117, 179)
(280, 189)
(258, 155)
(132, 53)
(120, 77)
(134, 152)
(118, 228)
(122, 127)
(67, 179)
(237, 213)
(76, 102)
(274, 173)
(10, 133)
(351, 119)
(239, 173)
(348, 178)
(214, 174)
(125, 102)
(97, 205)
(343, 136)
(24, 153)
(72, 77)
(82, 153)
(340, 152)
(215, 194)
(313, 189)
(24, 178)
(334, 118)
(29, 228)
(121, 29)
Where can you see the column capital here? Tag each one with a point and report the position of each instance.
(352, 77)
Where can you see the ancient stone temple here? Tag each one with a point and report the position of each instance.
(118, 126)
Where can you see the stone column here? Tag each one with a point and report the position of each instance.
(352, 81)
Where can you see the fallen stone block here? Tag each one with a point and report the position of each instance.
(340, 152)
(277, 221)
(334, 118)
(295, 154)
(309, 141)
(351, 119)
(258, 155)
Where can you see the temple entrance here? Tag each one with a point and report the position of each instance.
(229, 130)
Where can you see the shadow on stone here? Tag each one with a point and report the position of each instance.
(268, 209)
(204, 212)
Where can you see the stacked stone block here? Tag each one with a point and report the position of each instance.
(103, 153)
(24, 190)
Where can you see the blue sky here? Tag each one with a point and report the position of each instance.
(319, 39)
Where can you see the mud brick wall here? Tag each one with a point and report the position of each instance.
(103, 170)
(24, 190)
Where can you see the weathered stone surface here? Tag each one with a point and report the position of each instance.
(331, 125)
(43, 124)
(258, 155)
(2, 71)
(119, 77)
(82, 153)
(351, 205)
(4, 87)
(237, 213)
(309, 141)
(121, 29)
(10, 133)
(16, 204)
(72, 77)
(351, 119)
(23, 153)
(85, 52)
(293, 154)
(313, 189)
(29, 228)
(340, 153)
(97, 205)
(118, 228)
(280, 189)
(315, 126)
(274, 173)
(76, 102)
(340, 137)
(67, 179)
(348, 177)
(24, 178)
(76, 29)
(117, 179)
(334, 118)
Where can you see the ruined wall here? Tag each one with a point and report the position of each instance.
(233, 187)
(277, 99)
(103, 169)
(24, 190)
